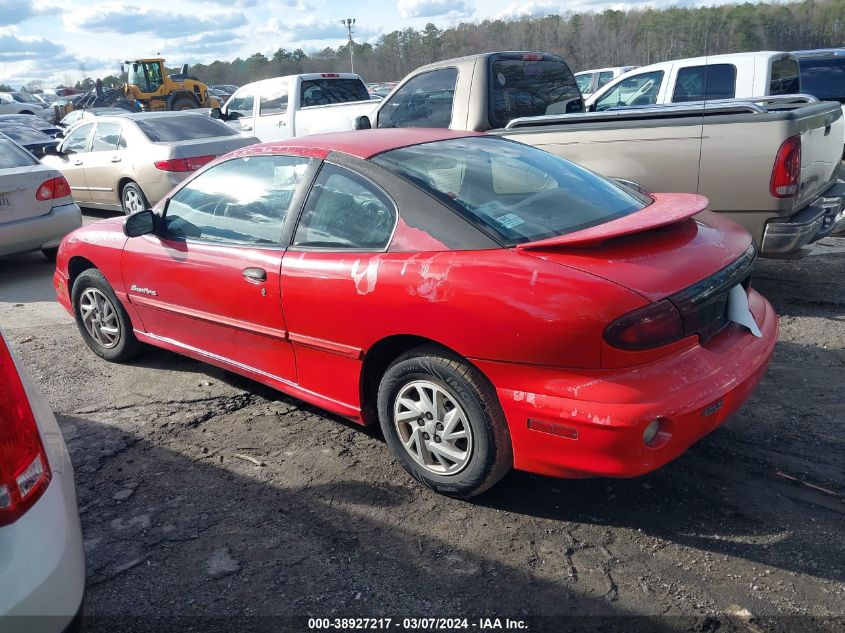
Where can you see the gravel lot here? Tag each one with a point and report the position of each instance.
(178, 520)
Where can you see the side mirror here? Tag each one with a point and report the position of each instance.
(140, 223)
(363, 123)
(217, 113)
(51, 150)
(60, 134)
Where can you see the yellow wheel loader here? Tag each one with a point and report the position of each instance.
(152, 90)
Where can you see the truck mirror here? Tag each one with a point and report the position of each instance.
(363, 123)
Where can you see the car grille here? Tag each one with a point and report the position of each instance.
(704, 305)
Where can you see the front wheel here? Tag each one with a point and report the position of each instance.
(101, 318)
(442, 419)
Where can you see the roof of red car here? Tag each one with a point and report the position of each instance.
(363, 143)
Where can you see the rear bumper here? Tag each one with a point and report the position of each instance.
(42, 232)
(824, 217)
(570, 423)
(42, 567)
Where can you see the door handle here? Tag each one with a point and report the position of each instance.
(116, 159)
(246, 128)
(254, 275)
(77, 162)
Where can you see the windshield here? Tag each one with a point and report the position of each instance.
(513, 192)
(12, 156)
(531, 84)
(824, 78)
(183, 128)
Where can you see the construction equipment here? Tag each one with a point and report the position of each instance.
(152, 90)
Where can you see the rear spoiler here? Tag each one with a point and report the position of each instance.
(667, 208)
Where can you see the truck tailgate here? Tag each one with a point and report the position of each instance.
(821, 131)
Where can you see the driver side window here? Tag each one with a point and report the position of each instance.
(241, 105)
(241, 201)
(77, 141)
(344, 211)
(637, 90)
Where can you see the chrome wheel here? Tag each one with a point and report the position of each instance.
(432, 427)
(99, 317)
(132, 202)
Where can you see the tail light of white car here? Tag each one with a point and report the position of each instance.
(786, 173)
(184, 164)
(53, 189)
(24, 467)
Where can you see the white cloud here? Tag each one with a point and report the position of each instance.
(533, 9)
(314, 29)
(129, 20)
(434, 8)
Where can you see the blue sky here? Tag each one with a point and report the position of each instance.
(52, 41)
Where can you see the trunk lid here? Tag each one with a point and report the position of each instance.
(18, 186)
(656, 252)
(821, 131)
(215, 146)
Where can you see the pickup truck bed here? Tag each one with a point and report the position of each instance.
(728, 150)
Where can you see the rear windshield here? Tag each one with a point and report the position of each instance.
(824, 78)
(513, 192)
(13, 156)
(183, 128)
(786, 77)
(325, 91)
(524, 86)
(24, 134)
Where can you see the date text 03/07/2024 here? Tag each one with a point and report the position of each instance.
(417, 624)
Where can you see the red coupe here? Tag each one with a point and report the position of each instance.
(490, 304)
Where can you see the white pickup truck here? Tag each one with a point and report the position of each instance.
(771, 164)
(296, 105)
(729, 76)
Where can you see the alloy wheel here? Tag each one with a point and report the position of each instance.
(132, 201)
(99, 317)
(433, 427)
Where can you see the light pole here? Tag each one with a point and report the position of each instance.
(349, 23)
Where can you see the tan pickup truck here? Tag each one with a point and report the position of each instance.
(771, 164)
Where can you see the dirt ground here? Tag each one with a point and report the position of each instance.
(184, 532)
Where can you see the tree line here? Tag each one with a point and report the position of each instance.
(586, 40)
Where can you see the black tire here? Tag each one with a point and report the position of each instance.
(184, 103)
(50, 253)
(127, 345)
(491, 455)
(129, 190)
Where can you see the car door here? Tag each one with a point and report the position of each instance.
(208, 280)
(71, 161)
(272, 120)
(240, 110)
(105, 161)
(327, 273)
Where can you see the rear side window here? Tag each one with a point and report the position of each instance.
(107, 137)
(698, 83)
(274, 99)
(182, 128)
(424, 101)
(345, 211)
(325, 91)
(824, 78)
(12, 156)
(241, 201)
(786, 77)
(524, 86)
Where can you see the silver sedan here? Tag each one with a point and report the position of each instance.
(128, 162)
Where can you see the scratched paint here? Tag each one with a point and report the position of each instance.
(365, 277)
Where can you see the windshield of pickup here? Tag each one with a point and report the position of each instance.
(824, 78)
(325, 91)
(512, 192)
(531, 84)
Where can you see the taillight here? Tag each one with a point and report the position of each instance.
(53, 189)
(184, 164)
(787, 170)
(24, 468)
(645, 328)
(329, 74)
